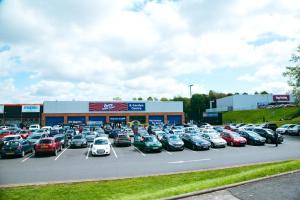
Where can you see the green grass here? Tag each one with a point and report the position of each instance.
(277, 115)
(152, 187)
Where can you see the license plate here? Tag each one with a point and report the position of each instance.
(155, 147)
(78, 145)
(44, 147)
(10, 153)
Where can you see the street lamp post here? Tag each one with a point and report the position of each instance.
(191, 90)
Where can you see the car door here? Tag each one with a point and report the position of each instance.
(137, 141)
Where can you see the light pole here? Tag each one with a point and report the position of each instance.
(191, 90)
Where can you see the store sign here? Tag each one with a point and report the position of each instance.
(31, 108)
(1, 108)
(112, 119)
(281, 97)
(136, 106)
(113, 107)
(210, 114)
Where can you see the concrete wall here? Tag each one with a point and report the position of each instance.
(249, 102)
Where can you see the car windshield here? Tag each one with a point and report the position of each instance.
(253, 134)
(101, 142)
(174, 137)
(78, 137)
(12, 143)
(10, 138)
(34, 137)
(46, 141)
(150, 139)
(235, 135)
(40, 131)
(214, 136)
(270, 131)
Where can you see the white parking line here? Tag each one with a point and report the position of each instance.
(87, 155)
(214, 149)
(29, 156)
(140, 151)
(61, 153)
(114, 151)
(188, 161)
(168, 152)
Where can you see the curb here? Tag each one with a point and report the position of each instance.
(198, 193)
(129, 177)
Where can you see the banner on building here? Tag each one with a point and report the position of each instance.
(281, 97)
(1, 108)
(31, 108)
(113, 106)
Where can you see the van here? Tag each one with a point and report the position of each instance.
(34, 127)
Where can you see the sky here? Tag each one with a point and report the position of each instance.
(99, 49)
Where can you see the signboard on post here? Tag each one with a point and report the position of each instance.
(1, 108)
(31, 108)
(281, 98)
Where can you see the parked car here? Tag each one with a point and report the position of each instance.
(34, 138)
(4, 133)
(129, 132)
(294, 130)
(90, 136)
(65, 142)
(70, 133)
(24, 133)
(9, 138)
(253, 138)
(16, 148)
(172, 142)
(48, 145)
(178, 132)
(271, 126)
(233, 138)
(107, 129)
(214, 139)
(100, 146)
(218, 129)
(147, 143)
(79, 141)
(122, 140)
(283, 129)
(268, 134)
(114, 133)
(34, 127)
(231, 128)
(195, 142)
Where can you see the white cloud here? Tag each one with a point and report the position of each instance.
(73, 48)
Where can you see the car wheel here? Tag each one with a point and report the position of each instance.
(60, 149)
(22, 153)
(231, 144)
(269, 141)
(212, 145)
(3, 156)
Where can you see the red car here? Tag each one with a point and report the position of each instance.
(4, 133)
(24, 133)
(48, 145)
(233, 138)
(230, 127)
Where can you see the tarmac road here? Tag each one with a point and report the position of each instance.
(77, 164)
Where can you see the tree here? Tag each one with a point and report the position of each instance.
(255, 92)
(164, 99)
(140, 99)
(293, 73)
(245, 93)
(134, 98)
(199, 103)
(155, 99)
(186, 106)
(149, 99)
(264, 92)
(236, 93)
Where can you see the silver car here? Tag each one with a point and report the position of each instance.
(214, 139)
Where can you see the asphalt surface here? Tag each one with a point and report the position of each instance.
(76, 164)
(283, 187)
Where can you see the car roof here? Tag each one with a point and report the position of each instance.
(101, 138)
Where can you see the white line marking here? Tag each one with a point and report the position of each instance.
(29, 156)
(87, 155)
(140, 151)
(61, 153)
(168, 152)
(114, 151)
(188, 161)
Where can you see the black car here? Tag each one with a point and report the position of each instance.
(107, 129)
(195, 142)
(253, 138)
(269, 135)
(271, 126)
(122, 140)
(63, 140)
(16, 148)
(114, 133)
(172, 142)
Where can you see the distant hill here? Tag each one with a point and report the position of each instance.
(277, 115)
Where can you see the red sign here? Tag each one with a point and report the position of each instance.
(109, 106)
(281, 97)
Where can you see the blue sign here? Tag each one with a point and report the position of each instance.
(136, 107)
(117, 118)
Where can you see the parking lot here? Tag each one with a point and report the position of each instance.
(78, 164)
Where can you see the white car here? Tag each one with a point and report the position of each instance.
(34, 127)
(283, 129)
(48, 128)
(101, 146)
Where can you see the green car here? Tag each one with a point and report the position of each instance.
(147, 143)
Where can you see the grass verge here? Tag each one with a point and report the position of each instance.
(151, 187)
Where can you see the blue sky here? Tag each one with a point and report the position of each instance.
(136, 48)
